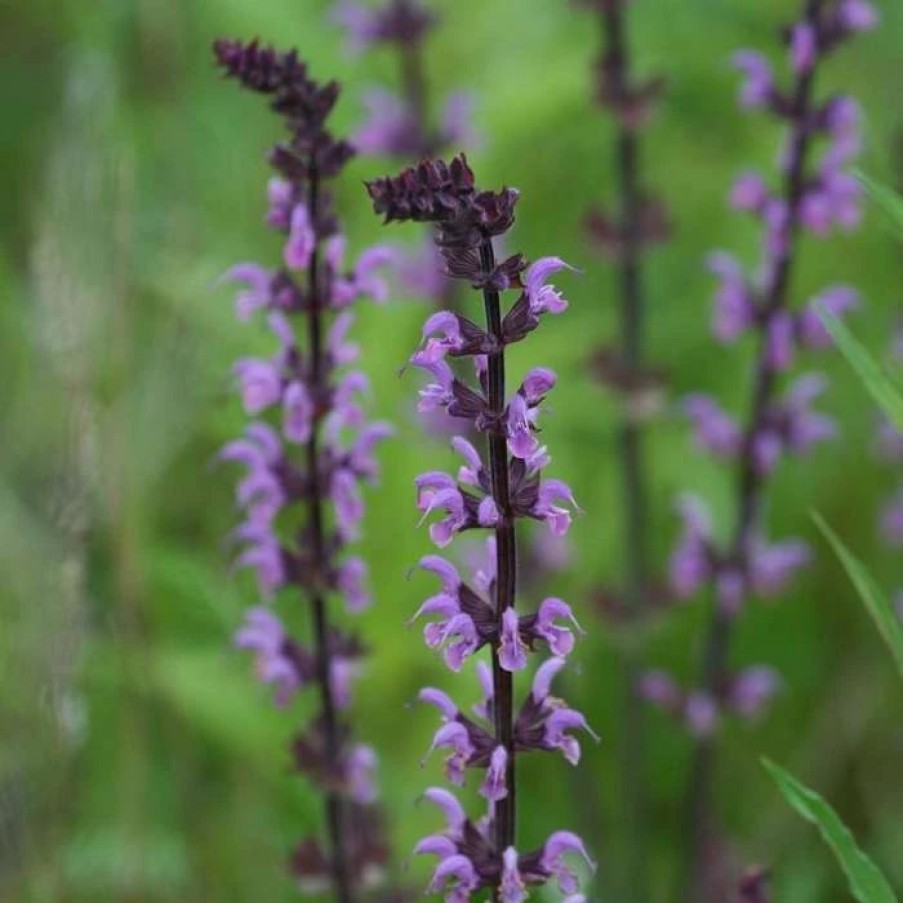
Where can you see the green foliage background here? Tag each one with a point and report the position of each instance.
(139, 761)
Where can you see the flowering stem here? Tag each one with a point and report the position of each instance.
(414, 84)
(630, 447)
(333, 799)
(506, 555)
(749, 481)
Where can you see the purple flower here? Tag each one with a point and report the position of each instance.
(780, 340)
(512, 651)
(342, 352)
(834, 301)
(257, 296)
(265, 556)
(735, 309)
(351, 582)
(544, 298)
(364, 281)
(548, 509)
(419, 271)
(438, 491)
(857, 15)
(713, 429)
(804, 427)
(701, 713)
(260, 384)
(511, 888)
(493, 788)
(457, 120)
(691, 565)
(758, 84)
(559, 845)
(751, 690)
(263, 634)
(301, 240)
(803, 47)
(360, 774)
(749, 193)
(448, 326)
(281, 198)
(298, 411)
(560, 639)
(772, 567)
(438, 394)
(390, 128)
(349, 506)
(892, 521)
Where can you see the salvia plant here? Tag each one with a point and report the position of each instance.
(494, 490)
(814, 194)
(623, 234)
(410, 123)
(306, 452)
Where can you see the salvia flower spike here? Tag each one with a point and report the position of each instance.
(306, 451)
(494, 488)
(411, 123)
(624, 234)
(814, 194)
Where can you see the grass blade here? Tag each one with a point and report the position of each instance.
(890, 203)
(877, 603)
(875, 378)
(867, 883)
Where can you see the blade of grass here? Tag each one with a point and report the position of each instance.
(890, 203)
(875, 378)
(874, 599)
(867, 883)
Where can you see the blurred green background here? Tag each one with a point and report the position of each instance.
(140, 761)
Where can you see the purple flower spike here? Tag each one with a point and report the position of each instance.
(812, 195)
(301, 492)
(500, 481)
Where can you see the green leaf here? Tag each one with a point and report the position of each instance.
(877, 603)
(875, 378)
(867, 883)
(886, 198)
